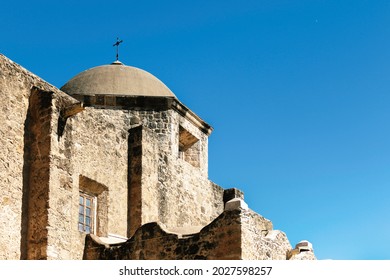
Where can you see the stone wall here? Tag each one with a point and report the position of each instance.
(219, 240)
(185, 195)
(260, 241)
(37, 189)
(28, 124)
(15, 88)
(92, 157)
(14, 104)
(143, 188)
(235, 234)
(61, 194)
(37, 172)
(100, 144)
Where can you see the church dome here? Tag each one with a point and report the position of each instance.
(116, 79)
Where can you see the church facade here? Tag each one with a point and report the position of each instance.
(114, 166)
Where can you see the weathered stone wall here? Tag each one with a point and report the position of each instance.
(92, 157)
(100, 144)
(234, 235)
(37, 172)
(143, 166)
(179, 182)
(61, 193)
(219, 240)
(260, 241)
(15, 88)
(186, 196)
(17, 151)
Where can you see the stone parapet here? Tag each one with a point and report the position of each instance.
(235, 234)
(219, 240)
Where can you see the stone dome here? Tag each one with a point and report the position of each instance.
(116, 79)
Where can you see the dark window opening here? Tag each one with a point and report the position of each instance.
(189, 147)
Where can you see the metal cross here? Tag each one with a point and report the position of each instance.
(117, 47)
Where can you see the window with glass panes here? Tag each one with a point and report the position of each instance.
(86, 213)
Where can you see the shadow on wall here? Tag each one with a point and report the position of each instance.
(36, 175)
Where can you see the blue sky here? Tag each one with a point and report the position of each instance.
(297, 93)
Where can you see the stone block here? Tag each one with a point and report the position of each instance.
(304, 245)
(236, 203)
(229, 194)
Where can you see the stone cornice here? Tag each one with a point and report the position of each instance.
(144, 103)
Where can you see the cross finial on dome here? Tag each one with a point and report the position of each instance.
(117, 47)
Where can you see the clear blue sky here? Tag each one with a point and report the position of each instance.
(298, 93)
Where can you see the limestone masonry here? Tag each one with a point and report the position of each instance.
(114, 166)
